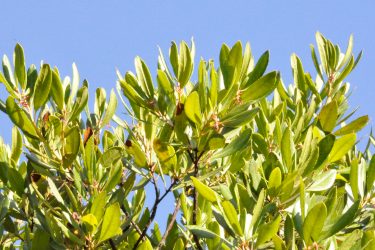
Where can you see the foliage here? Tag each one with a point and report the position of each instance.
(251, 163)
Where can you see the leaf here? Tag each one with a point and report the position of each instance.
(205, 191)
(344, 220)
(80, 103)
(370, 175)
(16, 145)
(314, 222)
(144, 76)
(166, 155)
(55, 192)
(71, 146)
(287, 148)
(261, 87)
(16, 181)
(42, 86)
(20, 118)
(237, 117)
(111, 155)
(353, 127)
(325, 146)
(40, 240)
(267, 231)
(111, 223)
(323, 181)
(232, 216)
(206, 233)
(19, 66)
(90, 221)
(341, 147)
(259, 69)
(57, 92)
(328, 116)
(192, 108)
(353, 178)
(258, 208)
(98, 205)
(234, 146)
(275, 179)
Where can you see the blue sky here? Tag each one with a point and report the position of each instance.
(101, 36)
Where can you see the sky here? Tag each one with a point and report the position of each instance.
(100, 36)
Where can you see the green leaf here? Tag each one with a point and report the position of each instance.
(370, 175)
(71, 146)
(206, 233)
(144, 77)
(323, 181)
(258, 208)
(348, 52)
(239, 116)
(57, 92)
(267, 231)
(90, 221)
(344, 220)
(353, 178)
(341, 147)
(98, 205)
(111, 223)
(328, 116)
(79, 103)
(314, 222)
(259, 69)
(235, 145)
(55, 192)
(20, 118)
(287, 148)
(325, 146)
(166, 155)
(19, 66)
(40, 240)
(192, 108)
(232, 216)
(16, 144)
(42, 86)
(275, 179)
(205, 191)
(16, 181)
(261, 87)
(353, 127)
(231, 64)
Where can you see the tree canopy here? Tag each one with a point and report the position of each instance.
(251, 163)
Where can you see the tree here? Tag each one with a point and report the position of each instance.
(251, 164)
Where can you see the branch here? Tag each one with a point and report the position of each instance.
(195, 199)
(158, 199)
(112, 244)
(170, 225)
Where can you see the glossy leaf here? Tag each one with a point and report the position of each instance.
(204, 190)
(111, 223)
(341, 147)
(20, 118)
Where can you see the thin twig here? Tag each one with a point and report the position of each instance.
(112, 244)
(195, 198)
(170, 225)
(158, 199)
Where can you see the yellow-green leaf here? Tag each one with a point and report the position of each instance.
(341, 147)
(20, 118)
(204, 190)
(192, 108)
(111, 223)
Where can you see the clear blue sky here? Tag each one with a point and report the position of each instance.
(103, 35)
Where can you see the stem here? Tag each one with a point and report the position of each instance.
(158, 199)
(112, 244)
(196, 159)
(170, 225)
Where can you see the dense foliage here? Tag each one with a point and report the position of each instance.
(251, 163)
